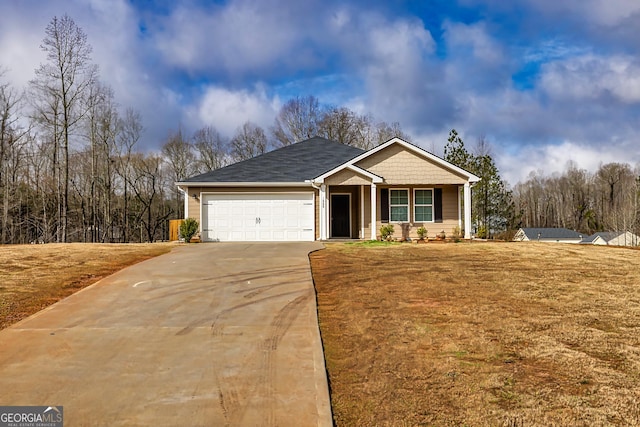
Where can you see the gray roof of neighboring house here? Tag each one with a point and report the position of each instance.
(294, 163)
(604, 235)
(550, 233)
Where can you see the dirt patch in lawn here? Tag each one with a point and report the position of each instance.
(481, 334)
(33, 277)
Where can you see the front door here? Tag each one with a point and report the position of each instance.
(341, 215)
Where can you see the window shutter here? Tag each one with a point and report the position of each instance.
(384, 205)
(437, 204)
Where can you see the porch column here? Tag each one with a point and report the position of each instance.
(323, 212)
(460, 207)
(373, 211)
(467, 210)
(361, 212)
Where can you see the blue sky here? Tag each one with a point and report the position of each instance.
(543, 81)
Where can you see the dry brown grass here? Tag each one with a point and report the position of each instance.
(33, 277)
(482, 334)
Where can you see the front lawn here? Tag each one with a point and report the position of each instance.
(483, 334)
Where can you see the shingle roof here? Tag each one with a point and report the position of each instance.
(294, 163)
(604, 235)
(550, 233)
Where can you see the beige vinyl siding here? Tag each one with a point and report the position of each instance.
(347, 177)
(449, 214)
(450, 203)
(194, 204)
(399, 166)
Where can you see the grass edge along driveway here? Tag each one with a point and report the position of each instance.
(36, 276)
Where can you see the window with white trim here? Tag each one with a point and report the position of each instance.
(423, 205)
(399, 205)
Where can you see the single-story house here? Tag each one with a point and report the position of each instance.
(613, 238)
(320, 189)
(555, 235)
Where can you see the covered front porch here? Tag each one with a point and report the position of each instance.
(348, 210)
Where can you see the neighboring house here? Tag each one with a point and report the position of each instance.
(319, 189)
(556, 235)
(613, 238)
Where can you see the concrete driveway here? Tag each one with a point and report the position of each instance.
(208, 335)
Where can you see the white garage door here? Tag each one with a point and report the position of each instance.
(258, 217)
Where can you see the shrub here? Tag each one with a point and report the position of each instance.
(188, 229)
(422, 233)
(386, 231)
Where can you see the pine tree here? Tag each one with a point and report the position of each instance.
(492, 205)
(455, 151)
(493, 208)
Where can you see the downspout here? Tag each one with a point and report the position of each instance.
(186, 202)
(322, 206)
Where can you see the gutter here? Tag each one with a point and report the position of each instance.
(313, 184)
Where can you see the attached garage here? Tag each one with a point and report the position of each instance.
(258, 217)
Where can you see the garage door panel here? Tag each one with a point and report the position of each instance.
(258, 217)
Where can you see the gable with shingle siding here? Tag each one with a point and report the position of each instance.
(399, 166)
(347, 177)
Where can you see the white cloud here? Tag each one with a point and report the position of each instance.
(20, 39)
(551, 49)
(604, 13)
(600, 12)
(473, 42)
(237, 39)
(550, 159)
(589, 77)
(394, 64)
(227, 110)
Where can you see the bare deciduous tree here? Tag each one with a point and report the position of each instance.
(60, 88)
(340, 124)
(130, 131)
(102, 128)
(606, 200)
(212, 148)
(249, 141)
(148, 185)
(298, 119)
(181, 159)
(12, 142)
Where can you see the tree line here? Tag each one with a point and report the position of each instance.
(588, 202)
(605, 200)
(71, 165)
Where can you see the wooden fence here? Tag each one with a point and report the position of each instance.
(174, 229)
